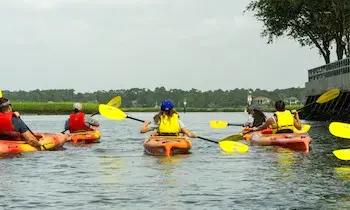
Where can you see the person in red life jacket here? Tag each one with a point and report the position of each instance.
(79, 122)
(13, 128)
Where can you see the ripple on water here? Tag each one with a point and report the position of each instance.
(116, 174)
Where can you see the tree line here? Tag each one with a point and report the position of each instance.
(142, 97)
(315, 23)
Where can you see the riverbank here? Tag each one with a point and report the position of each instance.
(61, 108)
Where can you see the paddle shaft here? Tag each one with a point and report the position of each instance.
(208, 139)
(197, 137)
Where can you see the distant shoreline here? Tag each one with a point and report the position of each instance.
(62, 108)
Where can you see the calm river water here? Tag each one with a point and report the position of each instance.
(116, 174)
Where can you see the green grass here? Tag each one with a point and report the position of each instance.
(41, 108)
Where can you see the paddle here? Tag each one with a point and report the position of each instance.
(325, 97)
(342, 154)
(339, 129)
(114, 113)
(116, 101)
(222, 124)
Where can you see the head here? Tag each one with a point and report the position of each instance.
(166, 108)
(280, 106)
(5, 105)
(253, 109)
(77, 107)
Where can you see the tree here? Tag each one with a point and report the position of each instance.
(314, 23)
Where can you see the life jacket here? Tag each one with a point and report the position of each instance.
(77, 122)
(285, 122)
(169, 125)
(7, 129)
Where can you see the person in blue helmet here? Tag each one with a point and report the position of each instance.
(167, 122)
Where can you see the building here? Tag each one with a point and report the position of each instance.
(261, 100)
(322, 79)
(291, 101)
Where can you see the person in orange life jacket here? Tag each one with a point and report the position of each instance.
(257, 114)
(13, 128)
(78, 121)
(167, 122)
(282, 121)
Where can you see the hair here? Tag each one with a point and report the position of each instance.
(4, 108)
(169, 113)
(259, 114)
(76, 110)
(280, 106)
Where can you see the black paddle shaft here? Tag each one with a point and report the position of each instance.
(135, 119)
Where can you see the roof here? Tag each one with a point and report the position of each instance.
(291, 98)
(261, 98)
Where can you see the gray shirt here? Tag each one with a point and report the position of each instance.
(88, 121)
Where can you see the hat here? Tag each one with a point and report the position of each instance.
(254, 107)
(78, 106)
(4, 102)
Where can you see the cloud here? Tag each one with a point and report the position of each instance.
(103, 44)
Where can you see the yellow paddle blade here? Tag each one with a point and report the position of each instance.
(111, 112)
(116, 101)
(0, 93)
(329, 95)
(233, 146)
(339, 129)
(218, 124)
(305, 128)
(342, 154)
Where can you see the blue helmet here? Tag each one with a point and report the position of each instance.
(166, 105)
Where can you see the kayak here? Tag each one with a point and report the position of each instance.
(167, 145)
(295, 141)
(51, 141)
(85, 136)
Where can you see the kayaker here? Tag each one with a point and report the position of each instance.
(78, 121)
(167, 122)
(282, 121)
(13, 128)
(258, 116)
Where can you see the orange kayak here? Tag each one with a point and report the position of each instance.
(51, 141)
(85, 136)
(167, 145)
(294, 141)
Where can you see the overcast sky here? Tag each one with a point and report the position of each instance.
(90, 45)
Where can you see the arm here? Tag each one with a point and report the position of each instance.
(91, 121)
(29, 138)
(297, 123)
(146, 127)
(186, 131)
(66, 125)
(268, 122)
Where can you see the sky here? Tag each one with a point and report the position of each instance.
(91, 45)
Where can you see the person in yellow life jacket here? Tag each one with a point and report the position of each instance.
(13, 128)
(79, 122)
(282, 121)
(167, 122)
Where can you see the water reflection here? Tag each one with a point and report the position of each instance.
(342, 172)
(112, 167)
(169, 167)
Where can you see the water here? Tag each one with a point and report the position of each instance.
(116, 174)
